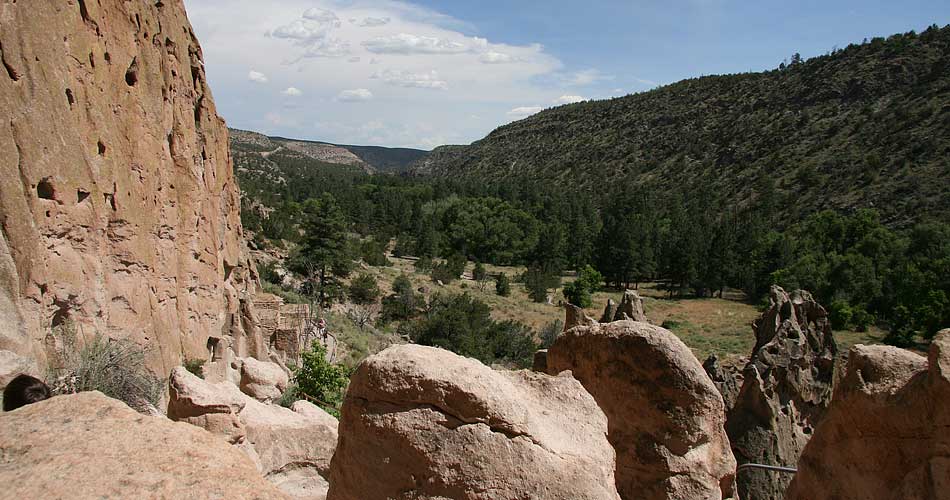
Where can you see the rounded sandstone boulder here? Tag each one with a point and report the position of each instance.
(424, 423)
(90, 446)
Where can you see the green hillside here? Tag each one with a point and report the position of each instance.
(867, 126)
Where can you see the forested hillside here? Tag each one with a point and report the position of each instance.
(867, 126)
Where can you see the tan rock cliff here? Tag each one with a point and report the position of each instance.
(118, 207)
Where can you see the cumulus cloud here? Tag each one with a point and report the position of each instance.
(373, 22)
(492, 57)
(402, 78)
(524, 111)
(312, 33)
(256, 76)
(292, 92)
(354, 95)
(568, 99)
(405, 43)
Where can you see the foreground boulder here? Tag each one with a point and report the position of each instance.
(90, 446)
(665, 417)
(291, 447)
(423, 423)
(885, 435)
(786, 388)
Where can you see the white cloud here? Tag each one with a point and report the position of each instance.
(587, 77)
(373, 22)
(354, 59)
(312, 33)
(292, 92)
(354, 95)
(401, 78)
(291, 43)
(524, 111)
(257, 76)
(405, 43)
(568, 99)
(492, 57)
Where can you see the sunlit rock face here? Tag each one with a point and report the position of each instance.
(119, 210)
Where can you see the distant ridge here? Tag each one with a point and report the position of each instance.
(865, 126)
(372, 159)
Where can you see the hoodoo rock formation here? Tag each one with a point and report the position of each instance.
(665, 417)
(118, 207)
(785, 391)
(886, 435)
(423, 423)
(631, 307)
(291, 447)
(90, 446)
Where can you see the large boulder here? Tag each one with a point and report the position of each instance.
(263, 380)
(423, 423)
(291, 447)
(90, 446)
(665, 417)
(786, 388)
(885, 435)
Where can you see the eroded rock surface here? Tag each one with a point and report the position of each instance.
(631, 307)
(120, 210)
(423, 423)
(785, 391)
(263, 380)
(291, 447)
(90, 446)
(665, 417)
(885, 435)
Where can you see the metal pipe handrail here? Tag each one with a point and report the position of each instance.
(775, 468)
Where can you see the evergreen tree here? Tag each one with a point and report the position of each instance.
(322, 257)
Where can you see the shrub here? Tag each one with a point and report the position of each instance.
(861, 319)
(577, 293)
(318, 381)
(502, 285)
(550, 332)
(363, 289)
(195, 367)
(840, 314)
(423, 264)
(114, 367)
(463, 324)
(403, 303)
(268, 273)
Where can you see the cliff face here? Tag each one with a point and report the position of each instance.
(118, 206)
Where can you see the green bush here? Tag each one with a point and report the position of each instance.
(363, 289)
(195, 367)
(320, 382)
(861, 319)
(502, 285)
(840, 314)
(114, 367)
(423, 264)
(463, 324)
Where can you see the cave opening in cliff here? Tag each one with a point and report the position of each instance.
(45, 190)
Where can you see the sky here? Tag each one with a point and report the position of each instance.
(427, 73)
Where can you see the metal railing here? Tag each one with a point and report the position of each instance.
(787, 470)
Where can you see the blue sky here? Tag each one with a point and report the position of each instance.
(425, 73)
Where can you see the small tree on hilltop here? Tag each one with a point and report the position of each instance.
(480, 275)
